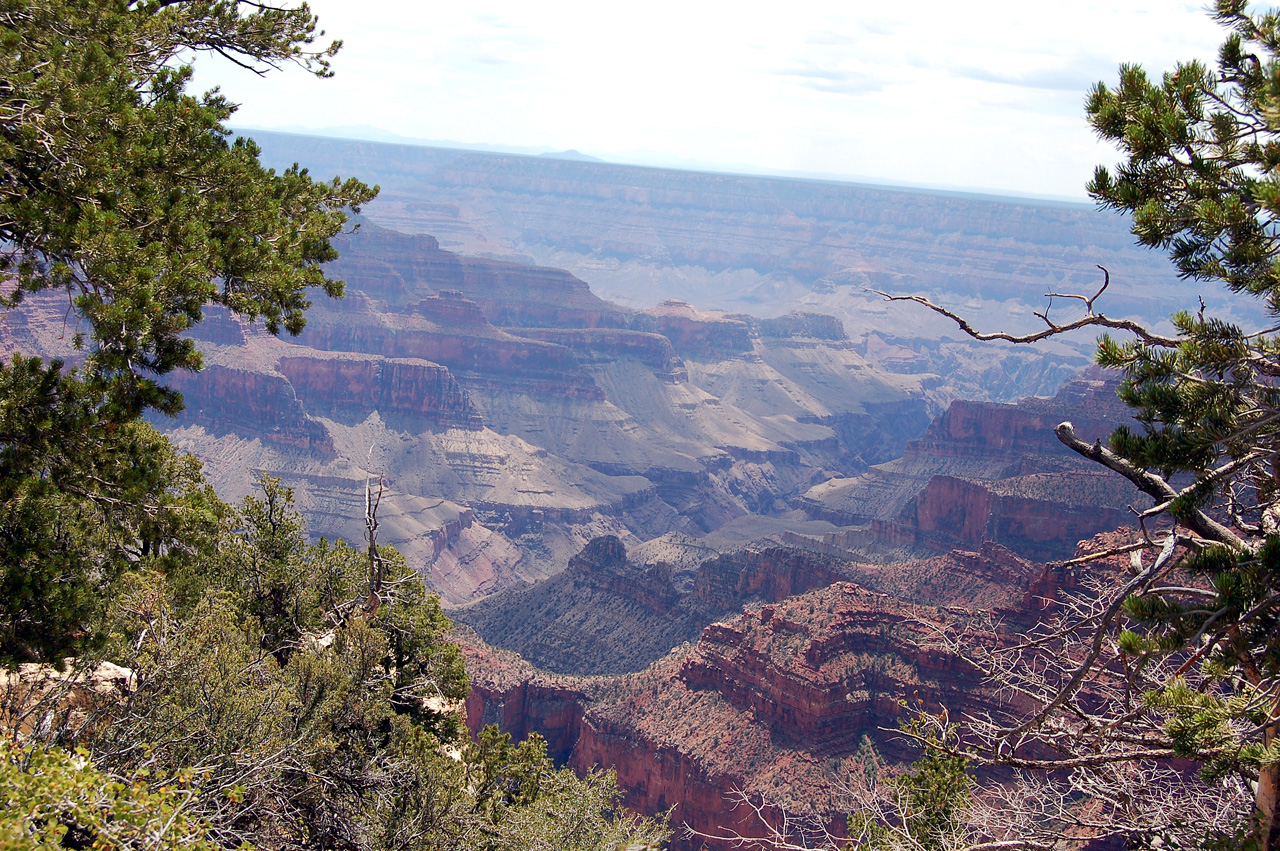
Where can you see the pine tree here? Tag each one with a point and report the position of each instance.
(126, 192)
(1179, 656)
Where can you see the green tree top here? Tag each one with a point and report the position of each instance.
(1202, 174)
(123, 189)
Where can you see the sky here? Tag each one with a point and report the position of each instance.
(983, 95)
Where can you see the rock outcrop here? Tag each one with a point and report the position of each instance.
(989, 472)
(787, 703)
(254, 402)
(606, 614)
(344, 387)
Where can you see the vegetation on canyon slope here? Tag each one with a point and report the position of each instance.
(221, 681)
(282, 694)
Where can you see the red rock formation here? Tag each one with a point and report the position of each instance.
(534, 366)
(1039, 522)
(698, 333)
(452, 309)
(401, 268)
(602, 345)
(817, 326)
(984, 471)
(551, 710)
(779, 703)
(508, 691)
(260, 403)
(393, 386)
(725, 583)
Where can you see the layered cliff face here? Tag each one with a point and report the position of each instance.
(512, 416)
(990, 472)
(607, 613)
(763, 245)
(787, 703)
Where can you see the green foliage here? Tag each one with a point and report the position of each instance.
(314, 721)
(279, 696)
(80, 502)
(123, 190)
(929, 801)
(52, 799)
(1234, 628)
(1202, 180)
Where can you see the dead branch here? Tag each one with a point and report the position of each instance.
(1089, 320)
(377, 565)
(1152, 485)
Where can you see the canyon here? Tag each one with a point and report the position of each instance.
(510, 415)
(787, 706)
(700, 530)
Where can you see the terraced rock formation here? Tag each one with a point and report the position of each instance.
(607, 614)
(512, 416)
(788, 703)
(986, 472)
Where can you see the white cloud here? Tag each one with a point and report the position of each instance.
(987, 93)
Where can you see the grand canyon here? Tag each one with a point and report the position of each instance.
(690, 489)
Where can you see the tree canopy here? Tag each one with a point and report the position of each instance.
(127, 193)
(121, 188)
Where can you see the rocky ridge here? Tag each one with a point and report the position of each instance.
(607, 614)
(788, 702)
(791, 703)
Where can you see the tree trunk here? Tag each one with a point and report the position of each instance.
(1267, 798)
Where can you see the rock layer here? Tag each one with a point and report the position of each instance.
(990, 472)
(785, 703)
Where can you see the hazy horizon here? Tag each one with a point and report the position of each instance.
(983, 97)
(378, 135)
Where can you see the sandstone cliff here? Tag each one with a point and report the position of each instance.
(788, 703)
(989, 472)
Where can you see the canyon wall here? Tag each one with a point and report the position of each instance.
(989, 472)
(513, 396)
(785, 703)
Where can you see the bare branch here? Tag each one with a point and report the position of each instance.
(1152, 485)
(1087, 321)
